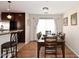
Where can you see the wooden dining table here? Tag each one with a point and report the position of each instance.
(40, 43)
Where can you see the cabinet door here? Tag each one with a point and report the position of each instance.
(5, 14)
(20, 19)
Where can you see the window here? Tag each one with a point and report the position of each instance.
(46, 24)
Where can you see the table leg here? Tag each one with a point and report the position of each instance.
(63, 50)
(38, 48)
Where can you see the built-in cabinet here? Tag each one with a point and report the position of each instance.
(4, 16)
(16, 22)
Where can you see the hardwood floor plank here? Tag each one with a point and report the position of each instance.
(30, 51)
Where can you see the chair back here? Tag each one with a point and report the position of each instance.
(39, 35)
(53, 34)
(51, 45)
(48, 32)
(13, 38)
(52, 39)
(62, 36)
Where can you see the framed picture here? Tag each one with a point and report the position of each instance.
(74, 19)
(66, 21)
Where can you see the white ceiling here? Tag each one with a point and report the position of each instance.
(35, 7)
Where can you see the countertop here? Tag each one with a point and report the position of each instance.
(9, 32)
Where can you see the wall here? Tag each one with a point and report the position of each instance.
(6, 25)
(34, 19)
(72, 32)
(0, 16)
(27, 39)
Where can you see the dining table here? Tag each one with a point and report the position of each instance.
(60, 42)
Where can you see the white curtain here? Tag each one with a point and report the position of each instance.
(46, 24)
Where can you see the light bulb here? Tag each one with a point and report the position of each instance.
(9, 16)
(45, 9)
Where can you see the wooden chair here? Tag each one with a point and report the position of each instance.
(39, 35)
(10, 47)
(53, 34)
(51, 46)
(59, 45)
(48, 32)
(62, 36)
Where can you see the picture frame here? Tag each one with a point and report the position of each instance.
(74, 19)
(66, 21)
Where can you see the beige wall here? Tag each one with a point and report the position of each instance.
(72, 32)
(27, 27)
(0, 16)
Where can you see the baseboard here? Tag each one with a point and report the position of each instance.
(27, 42)
(72, 50)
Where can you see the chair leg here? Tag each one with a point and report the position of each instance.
(11, 51)
(56, 52)
(16, 51)
(55, 55)
(12, 48)
(6, 53)
(1, 52)
(14, 54)
(45, 54)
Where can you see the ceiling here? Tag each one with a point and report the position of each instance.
(35, 7)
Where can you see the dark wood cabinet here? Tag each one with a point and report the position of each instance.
(17, 21)
(20, 19)
(4, 16)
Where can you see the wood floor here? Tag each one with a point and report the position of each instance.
(30, 51)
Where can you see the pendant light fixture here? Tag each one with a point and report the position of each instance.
(45, 10)
(9, 16)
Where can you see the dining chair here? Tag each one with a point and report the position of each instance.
(51, 46)
(39, 35)
(10, 47)
(53, 34)
(48, 32)
(62, 36)
(59, 45)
